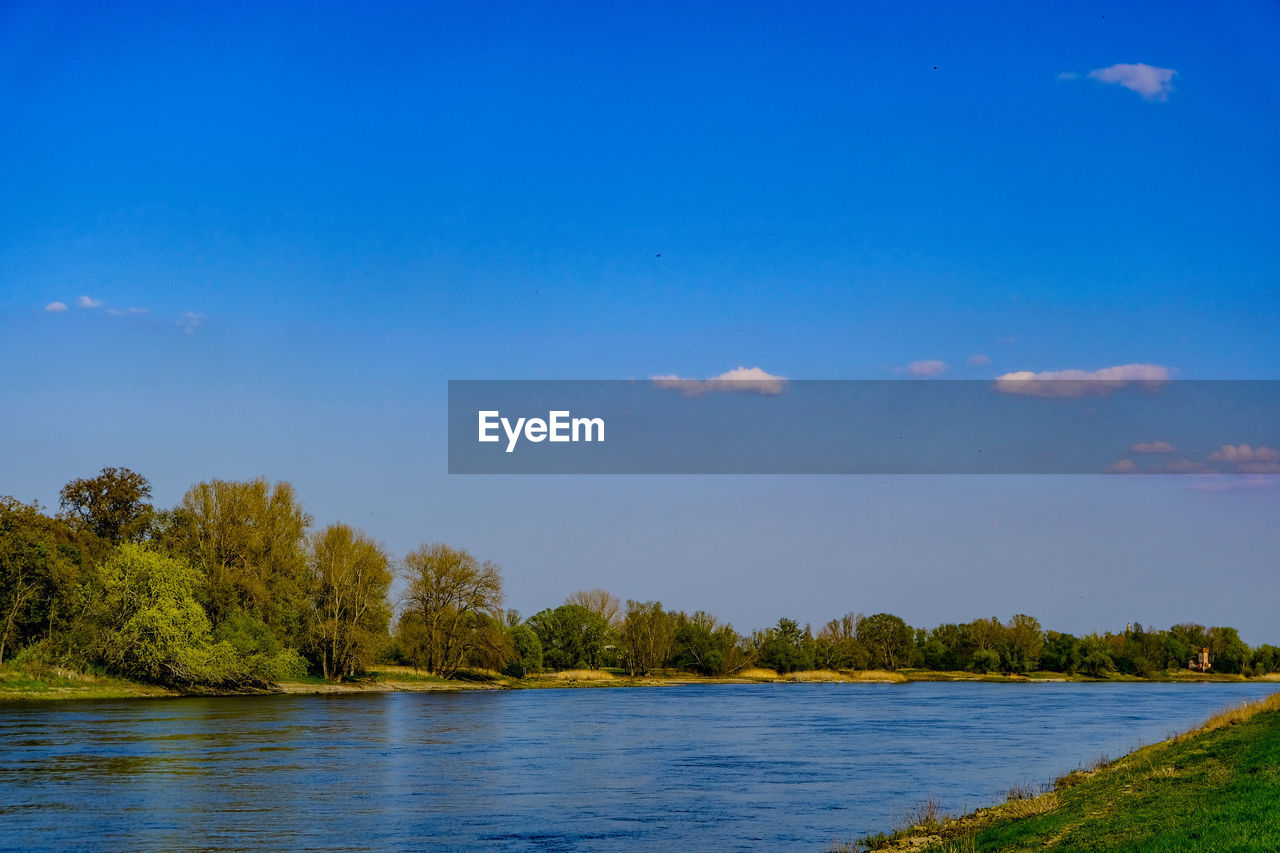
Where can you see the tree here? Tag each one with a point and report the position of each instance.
(704, 645)
(837, 646)
(784, 648)
(646, 636)
(1230, 654)
(601, 602)
(1061, 653)
(1095, 659)
(572, 636)
(115, 505)
(249, 540)
(350, 576)
(449, 592)
(40, 572)
(1023, 643)
(526, 652)
(888, 639)
(155, 628)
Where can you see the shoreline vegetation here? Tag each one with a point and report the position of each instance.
(1214, 787)
(234, 591)
(19, 682)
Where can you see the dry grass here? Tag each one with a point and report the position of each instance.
(1236, 715)
(1020, 807)
(582, 675)
(875, 675)
(396, 669)
(824, 675)
(926, 817)
(758, 672)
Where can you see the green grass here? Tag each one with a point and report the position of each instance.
(27, 682)
(1214, 789)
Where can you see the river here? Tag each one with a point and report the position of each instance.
(769, 766)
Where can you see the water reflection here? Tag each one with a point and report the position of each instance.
(733, 767)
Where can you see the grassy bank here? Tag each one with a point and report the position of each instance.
(26, 682)
(1216, 788)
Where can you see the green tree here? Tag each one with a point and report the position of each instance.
(646, 637)
(452, 596)
(526, 650)
(350, 576)
(40, 574)
(1022, 644)
(984, 660)
(1095, 659)
(888, 640)
(154, 627)
(1061, 653)
(784, 648)
(114, 506)
(1230, 654)
(249, 540)
(837, 646)
(572, 637)
(704, 645)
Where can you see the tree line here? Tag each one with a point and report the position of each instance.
(233, 588)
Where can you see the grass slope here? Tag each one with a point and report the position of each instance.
(27, 683)
(1216, 788)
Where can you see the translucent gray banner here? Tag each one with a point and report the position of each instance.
(774, 426)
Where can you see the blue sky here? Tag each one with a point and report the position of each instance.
(323, 212)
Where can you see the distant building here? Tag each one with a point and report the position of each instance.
(1200, 663)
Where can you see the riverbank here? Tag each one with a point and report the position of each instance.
(1213, 788)
(26, 683)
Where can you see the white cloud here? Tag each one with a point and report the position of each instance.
(88, 302)
(751, 380)
(1124, 466)
(978, 359)
(1150, 82)
(56, 307)
(1243, 453)
(127, 312)
(1152, 447)
(1081, 383)
(928, 367)
(190, 321)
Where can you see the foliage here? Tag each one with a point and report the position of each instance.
(526, 657)
(350, 576)
(114, 506)
(888, 640)
(837, 645)
(39, 574)
(256, 645)
(252, 593)
(703, 645)
(454, 601)
(646, 637)
(249, 540)
(155, 628)
(572, 637)
(601, 602)
(786, 648)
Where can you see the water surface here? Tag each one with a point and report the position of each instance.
(787, 766)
